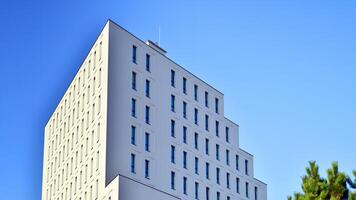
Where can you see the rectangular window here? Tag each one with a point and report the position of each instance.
(196, 138)
(237, 162)
(147, 115)
(196, 116)
(133, 135)
(173, 99)
(173, 128)
(207, 146)
(256, 193)
(185, 109)
(207, 122)
(184, 159)
(218, 175)
(147, 91)
(228, 180)
(148, 62)
(196, 92)
(173, 177)
(184, 85)
(185, 185)
(206, 99)
(217, 128)
(237, 185)
(217, 152)
(216, 105)
(246, 186)
(173, 149)
(173, 74)
(217, 195)
(196, 165)
(134, 51)
(147, 169)
(133, 80)
(185, 134)
(133, 156)
(133, 107)
(228, 198)
(207, 169)
(227, 134)
(246, 167)
(207, 191)
(147, 141)
(196, 190)
(227, 157)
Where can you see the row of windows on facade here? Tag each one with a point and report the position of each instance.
(69, 170)
(87, 94)
(173, 81)
(134, 114)
(207, 189)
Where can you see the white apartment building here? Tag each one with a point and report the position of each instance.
(134, 125)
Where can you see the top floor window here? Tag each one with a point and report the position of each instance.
(246, 167)
(227, 138)
(173, 74)
(148, 62)
(184, 85)
(216, 105)
(134, 52)
(195, 92)
(206, 99)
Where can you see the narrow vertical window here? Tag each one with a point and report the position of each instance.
(246, 189)
(148, 88)
(133, 135)
(173, 128)
(237, 162)
(173, 74)
(185, 109)
(196, 92)
(217, 152)
(148, 63)
(207, 169)
(133, 107)
(173, 177)
(227, 157)
(196, 138)
(216, 105)
(185, 185)
(184, 85)
(256, 193)
(185, 134)
(184, 159)
(207, 191)
(147, 115)
(228, 180)
(227, 137)
(217, 128)
(147, 141)
(133, 156)
(196, 116)
(207, 146)
(207, 122)
(133, 80)
(246, 167)
(206, 99)
(173, 99)
(134, 51)
(147, 169)
(237, 185)
(196, 165)
(217, 195)
(218, 175)
(173, 149)
(196, 193)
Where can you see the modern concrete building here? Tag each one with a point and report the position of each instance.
(134, 125)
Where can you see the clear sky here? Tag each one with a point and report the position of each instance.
(287, 69)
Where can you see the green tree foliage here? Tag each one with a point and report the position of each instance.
(336, 187)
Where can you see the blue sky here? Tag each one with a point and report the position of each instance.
(287, 69)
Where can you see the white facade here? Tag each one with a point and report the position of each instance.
(135, 125)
